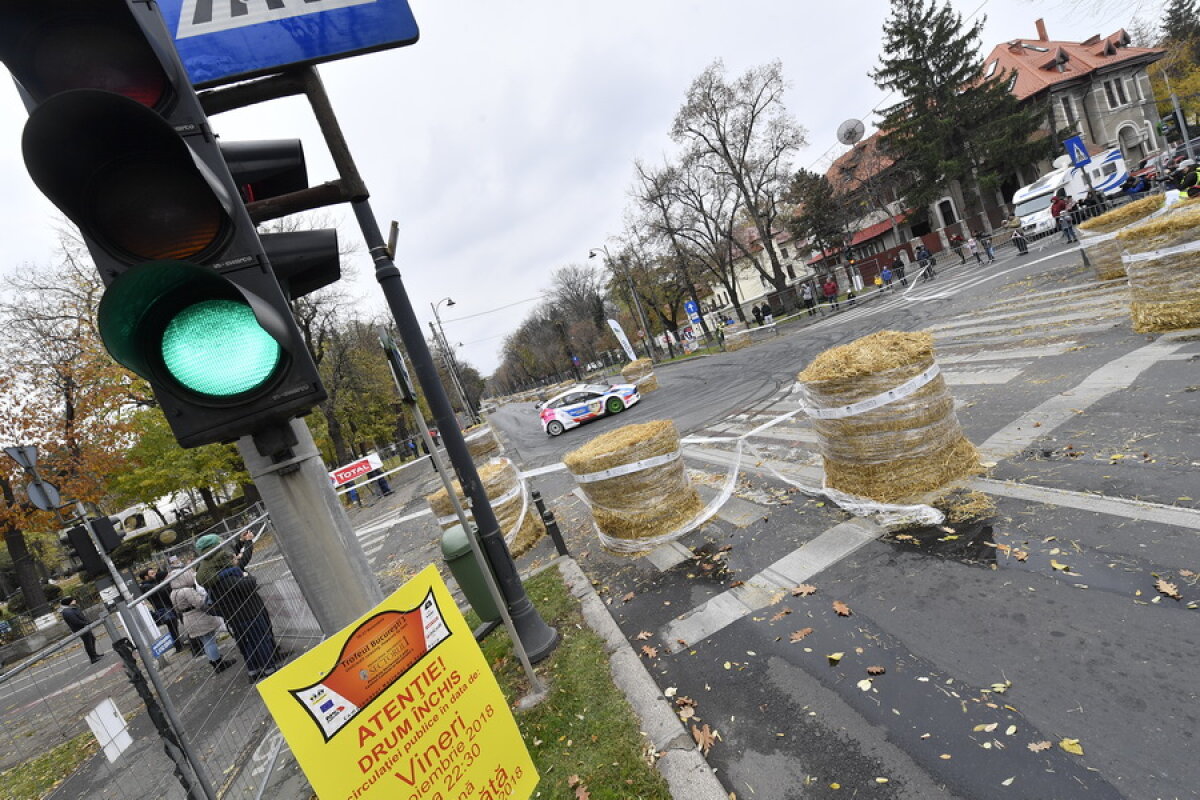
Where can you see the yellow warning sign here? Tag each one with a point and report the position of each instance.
(401, 705)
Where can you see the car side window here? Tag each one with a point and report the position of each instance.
(577, 397)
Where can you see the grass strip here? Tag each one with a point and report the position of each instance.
(584, 734)
(35, 778)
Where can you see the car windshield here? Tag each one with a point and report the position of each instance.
(1032, 205)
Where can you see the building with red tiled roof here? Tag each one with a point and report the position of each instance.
(1097, 88)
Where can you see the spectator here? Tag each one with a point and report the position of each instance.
(191, 603)
(830, 291)
(768, 315)
(380, 483)
(233, 593)
(76, 620)
(956, 244)
(887, 278)
(898, 268)
(151, 582)
(808, 298)
(757, 312)
(973, 248)
(1060, 209)
(243, 548)
(985, 239)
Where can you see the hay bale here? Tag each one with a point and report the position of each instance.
(737, 340)
(635, 510)
(1105, 256)
(906, 446)
(1121, 216)
(511, 502)
(482, 444)
(1164, 288)
(640, 372)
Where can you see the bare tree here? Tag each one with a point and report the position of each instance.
(741, 131)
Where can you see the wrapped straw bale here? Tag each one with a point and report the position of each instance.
(737, 340)
(514, 508)
(1097, 235)
(483, 444)
(903, 437)
(641, 373)
(1162, 260)
(637, 486)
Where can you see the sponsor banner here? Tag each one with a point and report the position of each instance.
(401, 704)
(619, 332)
(356, 469)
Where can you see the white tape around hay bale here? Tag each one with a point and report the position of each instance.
(510, 500)
(1162, 260)
(483, 444)
(637, 487)
(640, 372)
(1098, 236)
(884, 420)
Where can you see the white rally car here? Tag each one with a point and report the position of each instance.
(584, 403)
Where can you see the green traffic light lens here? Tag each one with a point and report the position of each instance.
(217, 348)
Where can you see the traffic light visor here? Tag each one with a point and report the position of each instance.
(125, 177)
(54, 46)
(190, 330)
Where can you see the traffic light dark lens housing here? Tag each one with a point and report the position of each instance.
(154, 209)
(96, 55)
(217, 348)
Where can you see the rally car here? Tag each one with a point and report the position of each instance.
(583, 403)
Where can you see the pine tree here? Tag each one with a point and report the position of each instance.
(822, 216)
(954, 123)
(1181, 21)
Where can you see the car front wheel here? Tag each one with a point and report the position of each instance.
(554, 428)
(614, 405)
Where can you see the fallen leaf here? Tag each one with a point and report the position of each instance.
(572, 780)
(1072, 746)
(1167, 588)
(865, 684)
(876, 670)
(1010, 730)
(834, 658)
(841, 608)
(581, 793)
(686, 713)
(1021, 555)
(945, 756)
(670, 691)
(705, 738)
(735, 584)
(1009, 781)
(1057, 565)
(627, 597)
(1186, 573)
(804, 590)
(643, 636)
(782, 613)
(650, 652)
(800, 634)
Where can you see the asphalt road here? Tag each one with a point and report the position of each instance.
(1089, 433)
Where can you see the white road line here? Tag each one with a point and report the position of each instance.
(760, 590)
(1016, 353)
(1117, 374)
(979, 377)
(1026, 323)
(1103, 504)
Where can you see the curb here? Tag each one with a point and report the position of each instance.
(687, 772)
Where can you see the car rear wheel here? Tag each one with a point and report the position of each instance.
(554, 428)
(614, 405)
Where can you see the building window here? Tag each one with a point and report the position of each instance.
(1115, 91)
(1068, 109)
(1135, 90)
(783, 252)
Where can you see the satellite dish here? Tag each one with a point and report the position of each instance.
(850, 131)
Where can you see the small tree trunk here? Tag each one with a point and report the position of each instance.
(26, 569)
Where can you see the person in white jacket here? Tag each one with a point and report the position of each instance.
(191, 603)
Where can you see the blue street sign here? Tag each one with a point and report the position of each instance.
(1077, 150)
(162, 645)
(691, 308)
(221, 41)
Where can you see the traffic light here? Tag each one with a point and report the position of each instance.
(83, 548)
(117, 139)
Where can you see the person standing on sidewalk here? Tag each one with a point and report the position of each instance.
(956, 244)
(985, 239)
(887, 277)
(810, 301)
(198, 623)
(973, 247)
(233, 593)
(830, 290)
(1060, 209)
(898, 268)
(757, 312)
(76, 620)
(160, 603)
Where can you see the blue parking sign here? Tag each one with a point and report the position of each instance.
(221, 41)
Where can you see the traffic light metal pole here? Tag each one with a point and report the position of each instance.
(538, 638)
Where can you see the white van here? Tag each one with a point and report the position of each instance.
(1031, 204)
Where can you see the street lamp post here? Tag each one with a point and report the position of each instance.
(439, 335)
(647, 339)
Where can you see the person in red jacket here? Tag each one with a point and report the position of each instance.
(1060, 209)
(830, 290)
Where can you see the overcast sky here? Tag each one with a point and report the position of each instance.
(503, 141)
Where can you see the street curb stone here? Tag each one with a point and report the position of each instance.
(686, 771)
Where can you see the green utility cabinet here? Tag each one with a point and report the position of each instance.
(456, 550)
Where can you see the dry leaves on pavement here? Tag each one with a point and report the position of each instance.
(804, 590)
(1168, 588)
(705, 738)
(841, 608)
(799, 635)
